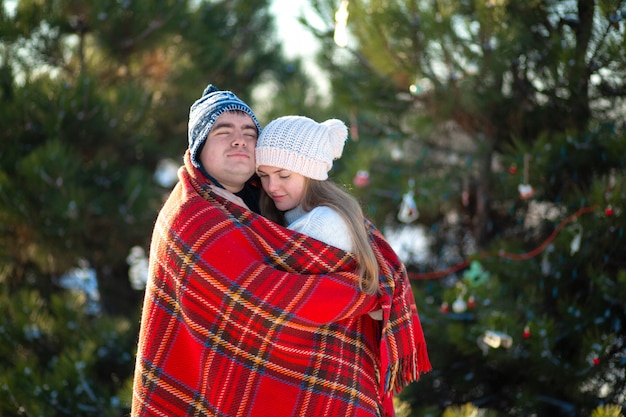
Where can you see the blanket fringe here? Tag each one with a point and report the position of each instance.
(406, 370)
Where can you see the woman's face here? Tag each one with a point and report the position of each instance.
(283, 186)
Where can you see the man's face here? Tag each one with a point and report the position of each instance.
(228, 153)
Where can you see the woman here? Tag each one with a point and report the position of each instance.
(293, 157)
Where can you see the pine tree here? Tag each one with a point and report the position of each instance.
(504, 121)
(93, 96)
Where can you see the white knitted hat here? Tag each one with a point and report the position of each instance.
(301, 145)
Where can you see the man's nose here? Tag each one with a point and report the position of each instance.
(239, 140)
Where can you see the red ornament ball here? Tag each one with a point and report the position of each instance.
(608, 211)
(596, 361)
(361, 179)
(471, 302)
(526, 333)
(513, 169)
(445, 308)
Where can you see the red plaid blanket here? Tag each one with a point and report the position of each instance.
(246, 318)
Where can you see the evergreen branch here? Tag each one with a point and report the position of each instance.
(154, 25)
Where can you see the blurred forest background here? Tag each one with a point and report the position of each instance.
(491, 132)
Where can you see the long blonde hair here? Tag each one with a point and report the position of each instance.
(326, 193)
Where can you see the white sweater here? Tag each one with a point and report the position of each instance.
(322, 223)
(325, 224)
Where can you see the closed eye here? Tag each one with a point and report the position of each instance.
(222, 131)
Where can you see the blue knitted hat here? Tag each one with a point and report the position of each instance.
(205, 111)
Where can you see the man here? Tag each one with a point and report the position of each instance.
(242, 317)
(222, 136)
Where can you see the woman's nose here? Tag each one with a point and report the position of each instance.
(272, 185)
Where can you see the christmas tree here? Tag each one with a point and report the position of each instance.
(497, 129)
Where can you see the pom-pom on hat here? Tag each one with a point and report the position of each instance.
(301, 145)
(205, 111)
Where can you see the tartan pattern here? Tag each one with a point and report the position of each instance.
(243, 317)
